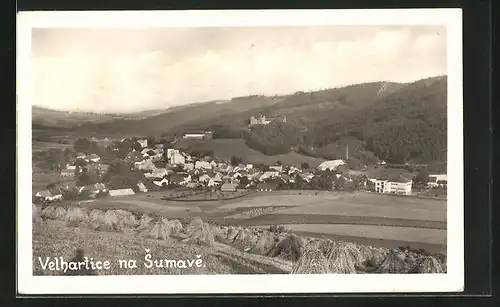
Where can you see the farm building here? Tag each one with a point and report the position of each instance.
(278, 168)
(189, 166)
(202, 164)
(43, 194)
(81, 156)
(267, 186)
(46, 195)
(121, 192)
(206, 135)
(399, 185)
(228, 187)
(157, 173)
(331, 165)
(67, 173)
(133, 157)
(143, 143)
(180, 179)
(94, 158)
(192, 185)
(269, 174)
(437, 180)
(177, 158)
(161, 183)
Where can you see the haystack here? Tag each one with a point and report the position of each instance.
(231, 234)
(342, 257)
(290, 248)
(265, 244)
(312, 261)
(76, 217)
(144, 222)
(199, 232)
(219, 234)
(176, 226)
(53, 213)
(106, 221)
(394, 263)
(159, 229)
(126, 218)
(245, 239)
(428, 265)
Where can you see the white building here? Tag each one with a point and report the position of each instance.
(399, 186)
(143, 143)
(121, 192)
(163, 182)
(177, 158)
(202, 164)
(436, 180)
(331, 165)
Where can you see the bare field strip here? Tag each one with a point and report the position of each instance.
(354, 209)
(282, 200)
(269, 219)
(430, 236)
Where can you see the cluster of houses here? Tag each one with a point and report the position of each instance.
(173, 167)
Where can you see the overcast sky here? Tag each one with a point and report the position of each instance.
(118, 70)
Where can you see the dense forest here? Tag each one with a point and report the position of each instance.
(406, 123)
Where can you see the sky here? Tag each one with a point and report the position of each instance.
(129, 70)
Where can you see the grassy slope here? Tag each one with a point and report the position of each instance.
(226, 148)
(54, 239)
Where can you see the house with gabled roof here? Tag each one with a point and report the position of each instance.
(267, 186)
(94, 158)
(161, 183)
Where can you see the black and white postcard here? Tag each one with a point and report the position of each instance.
(287, 151)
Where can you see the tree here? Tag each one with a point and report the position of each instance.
(422, 176)
(304, 165)
(82, 145)
(87, 177)
(235, 160)
(151, 141)
(244, 181)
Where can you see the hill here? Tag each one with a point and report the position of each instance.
(408, 124)
(50, 119)
(181, 118)
(301, 109)
(392, 121)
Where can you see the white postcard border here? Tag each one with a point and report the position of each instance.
(453, 281)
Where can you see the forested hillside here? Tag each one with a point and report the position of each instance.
(379, 120)
(409, 124)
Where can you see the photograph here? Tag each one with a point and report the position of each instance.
(291, 151)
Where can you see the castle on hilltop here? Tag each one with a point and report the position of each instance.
(262, 120)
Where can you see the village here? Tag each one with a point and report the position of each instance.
(131, 166)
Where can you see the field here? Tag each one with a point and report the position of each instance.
(226, 148)
(379, 220)
(42, 146)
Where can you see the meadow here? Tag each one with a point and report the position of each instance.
(53, 238)
(224, 149)
(380, 220)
